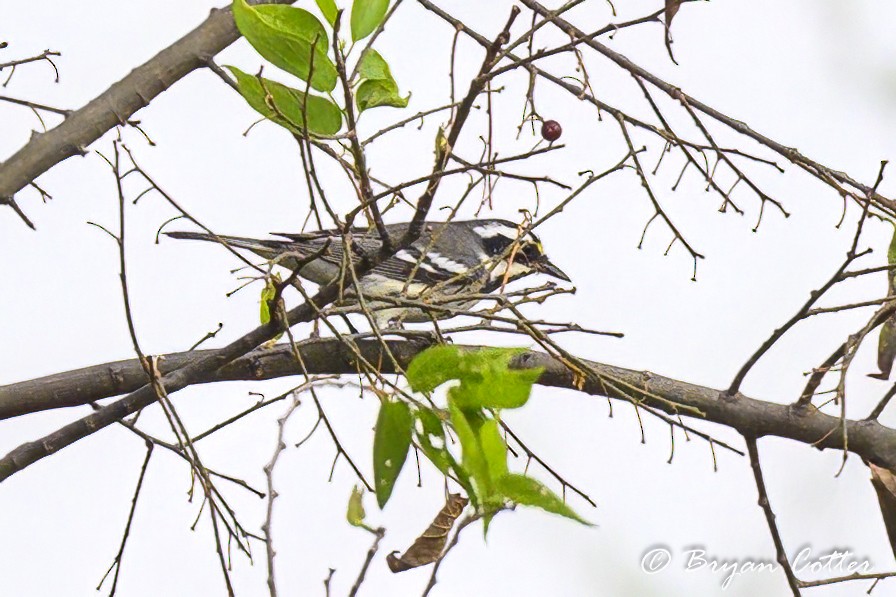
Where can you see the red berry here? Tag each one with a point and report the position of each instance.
(551, 130)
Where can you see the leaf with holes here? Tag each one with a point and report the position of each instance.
(431, 439)
(432, 442)
(495, 451)
(473, 461)
(391, 442)
(493, 448)
(526, 491)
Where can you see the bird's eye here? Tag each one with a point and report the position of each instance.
(531, 251)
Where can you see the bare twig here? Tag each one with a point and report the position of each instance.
(766, 506)
(116, 562)
(851, 255)
(46, 55)
(115, 106)
(378, 534)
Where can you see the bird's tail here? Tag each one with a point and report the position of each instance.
(265, 248)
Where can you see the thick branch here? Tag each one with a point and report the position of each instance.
(117, 104)
(210, 361)
(750, 417)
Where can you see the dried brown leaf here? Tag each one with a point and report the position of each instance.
(427, 548)
(886, 346)
(886, 349)
(884, 482)
(672, 7)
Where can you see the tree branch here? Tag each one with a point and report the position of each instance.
(749, 416)
(814, 168)
(119, 102)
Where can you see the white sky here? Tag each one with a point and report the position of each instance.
(815, 75)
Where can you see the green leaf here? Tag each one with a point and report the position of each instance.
(527, 491)
(487, 381)
(367, 16)
(886, 344)
(355, 513)
(504, 387)
(886, 349)
(493, 448)
(267, 295)
(372, 94)
(391, 442)
(495, 451)
(431, 440)
(473, 459)
(442, 145)
(486, 522)
(438, 456)
(286, 106)
(431, 427)
(329, 10)
(378, 88)
(891, 252)
(433, 367)
(285, 35)
(430, 421)
(891, 260)
(374, 67)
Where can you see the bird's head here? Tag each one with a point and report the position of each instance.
(517, 255)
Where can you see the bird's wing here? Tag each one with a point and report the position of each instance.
(328, 243)
(407, 265)
(404, 265)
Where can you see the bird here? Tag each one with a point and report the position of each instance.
(449, 260)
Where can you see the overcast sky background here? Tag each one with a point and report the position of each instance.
(817, 75)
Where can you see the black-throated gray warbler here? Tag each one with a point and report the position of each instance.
(448, 260)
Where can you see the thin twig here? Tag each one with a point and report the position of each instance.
(764, 503)
(116, 562)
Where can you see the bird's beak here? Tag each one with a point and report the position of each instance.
(546, 267)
